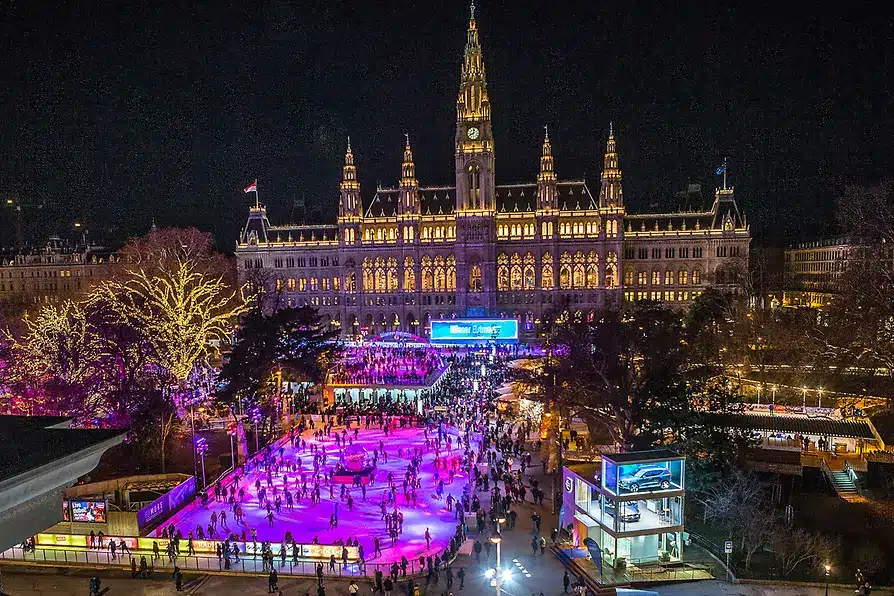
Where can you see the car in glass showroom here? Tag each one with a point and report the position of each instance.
(648, 477)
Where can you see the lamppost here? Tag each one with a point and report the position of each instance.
(760, 386)
(202, 449)
(773, 388)
(819, 397)
(497, 575)
(804, 394)
(255, 415)
(828, 569)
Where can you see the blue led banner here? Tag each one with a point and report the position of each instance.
(474, 331)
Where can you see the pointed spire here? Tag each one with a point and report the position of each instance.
(472, 11)
(473, 103)
(610, 195)
(408, 168)
(546, 179)
(349, 171)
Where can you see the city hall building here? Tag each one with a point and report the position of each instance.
(475, 248)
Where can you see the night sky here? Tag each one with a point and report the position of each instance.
(116, 114)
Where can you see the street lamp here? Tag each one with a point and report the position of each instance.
(255, 415)
(500, 521)
(828, 569)
(819, 397)
(202, 449)
(760, 386)
(773, 388)
(498, 574)
(804, 393)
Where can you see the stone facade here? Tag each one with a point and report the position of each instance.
(481, 249)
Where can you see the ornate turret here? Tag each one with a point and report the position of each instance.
(546, 179)
(409, 186)
(349, 204)
(611, 195)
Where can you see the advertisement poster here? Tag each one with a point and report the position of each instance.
(89, 511)
(66, 511)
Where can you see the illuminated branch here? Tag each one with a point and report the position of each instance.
(180, 311)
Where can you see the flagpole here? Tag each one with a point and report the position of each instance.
(724, 175)
(258, 201)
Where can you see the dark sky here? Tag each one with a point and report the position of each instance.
(115, 113)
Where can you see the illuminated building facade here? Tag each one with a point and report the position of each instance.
(54, 272)
(476, 248)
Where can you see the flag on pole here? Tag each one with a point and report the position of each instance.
(718, 172)
(253, 187)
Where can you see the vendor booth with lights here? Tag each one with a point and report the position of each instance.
(629, 507)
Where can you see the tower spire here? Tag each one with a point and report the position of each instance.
(610, 195)
(408, 168)
(472, 11)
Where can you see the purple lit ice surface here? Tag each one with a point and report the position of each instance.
(306, 522)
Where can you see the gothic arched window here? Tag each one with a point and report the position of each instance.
(565, 271)
(528, 277)
(440, 275)
(546, 272)
(611, 270)
(580, 276)
(502, 272)
(451, 273)
(427, 279)
(475, 277)
(409, 275)
(391, 274)
(515, 272)
(592, 270)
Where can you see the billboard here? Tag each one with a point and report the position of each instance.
(474, 331)
(66, 511)
(89, 511)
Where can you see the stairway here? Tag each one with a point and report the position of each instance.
(844, 484)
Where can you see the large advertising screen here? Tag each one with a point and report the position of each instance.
(456, 331)
(89, 511)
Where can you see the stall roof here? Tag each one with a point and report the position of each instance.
(854, 429)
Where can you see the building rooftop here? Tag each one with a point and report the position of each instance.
(795, 424)
(642, 456)
(33, 441)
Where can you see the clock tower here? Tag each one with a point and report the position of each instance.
(474, 137)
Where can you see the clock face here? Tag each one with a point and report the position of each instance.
(473, 133)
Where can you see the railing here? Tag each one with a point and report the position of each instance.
(852, 474)
(206, 563)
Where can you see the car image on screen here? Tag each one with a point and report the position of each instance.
(646, 478)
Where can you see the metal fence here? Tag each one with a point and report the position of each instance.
(207, 563)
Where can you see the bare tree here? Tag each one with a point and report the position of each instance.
(794, 547)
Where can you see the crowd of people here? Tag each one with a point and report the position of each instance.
(379, 365)
(471, 463)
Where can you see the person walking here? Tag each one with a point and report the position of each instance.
(178, 578)
(388, 584)
(566, 581)
(353, 588)
(461, 574)
(477, 549)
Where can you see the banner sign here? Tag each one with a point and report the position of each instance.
(167, 504)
